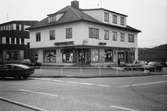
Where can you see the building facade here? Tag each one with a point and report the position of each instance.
(84, 36)
(14, 41)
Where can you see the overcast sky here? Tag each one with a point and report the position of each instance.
(150, 16)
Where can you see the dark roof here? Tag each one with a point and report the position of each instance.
(72, 15)
(26, 22)
(104, 10)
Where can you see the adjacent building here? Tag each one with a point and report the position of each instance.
(14, 41)
(84, 36)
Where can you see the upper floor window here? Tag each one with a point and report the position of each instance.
(106, 35)
(106, 17)
(17, 41)
(52, 34)
(7, 40)
(12, 40)
(17, 27)
(131, 38)
(114, 36)
(38, 36)
(122, 21)
(54, 18)
(114, 19)
(68, 33)
(94, 33)
(22, 41)
(122, 37)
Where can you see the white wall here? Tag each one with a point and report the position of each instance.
(80, 33)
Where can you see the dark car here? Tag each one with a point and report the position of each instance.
(18, 71)
(154, 66)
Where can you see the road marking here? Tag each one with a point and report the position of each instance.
(122, 108)
(143, 84)
(22, 104)
(36, 92)
(74, 82)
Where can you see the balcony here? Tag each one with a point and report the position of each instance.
(14, 33)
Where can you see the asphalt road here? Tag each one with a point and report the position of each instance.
(147, 93)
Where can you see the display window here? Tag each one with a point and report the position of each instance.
(108, 55)
(67, 56)
(50, 56)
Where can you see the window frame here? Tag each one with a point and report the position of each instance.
(114, 36)
(106, 34)
(38, 36)
(131, 38)
(115, 17)
(52, 35)
(106, 17)
(69, 33)
(122, 20)
(94, 33)
(122, 37)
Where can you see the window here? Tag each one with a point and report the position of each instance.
(122, 36)
(114, 19)
(131, 38)
(7, 40)
(50, 56)
(108, 55)
(68, 33)
(0, 40)
(94, 55)
(94, 33)
(22, 41)
(38, 36)
(67, 56)
(3, 40)
(106, 17)
(52, 34)
(106, 35)
(17, 27)
(122, 21)
(17, 41)
(114, 36)
(12, 40)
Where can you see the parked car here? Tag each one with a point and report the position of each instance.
(138, 66)
(154, 66)
(30, 63)
(18, 71)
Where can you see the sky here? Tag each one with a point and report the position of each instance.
(149, 16)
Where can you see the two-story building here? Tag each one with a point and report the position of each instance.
(14, 41)
(84, 36)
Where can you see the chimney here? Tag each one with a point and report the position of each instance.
(75, 4)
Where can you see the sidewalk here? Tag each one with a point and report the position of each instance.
(90, 72)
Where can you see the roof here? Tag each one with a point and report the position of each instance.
(26, 22)
(72, 15)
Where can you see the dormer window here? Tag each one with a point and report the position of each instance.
(122, 21)
(106, 17)
(114, 19)
(54, 18)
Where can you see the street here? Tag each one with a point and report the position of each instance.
(144, 93)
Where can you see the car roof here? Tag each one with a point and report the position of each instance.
(19, 65)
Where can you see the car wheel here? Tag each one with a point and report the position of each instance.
(18, 77)
(25, 77)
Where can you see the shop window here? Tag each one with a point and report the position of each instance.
(108, 56)
(67, 56)
(12, 55)
(95, 55)
(50, 56)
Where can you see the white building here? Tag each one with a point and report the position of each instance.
(84, 36)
